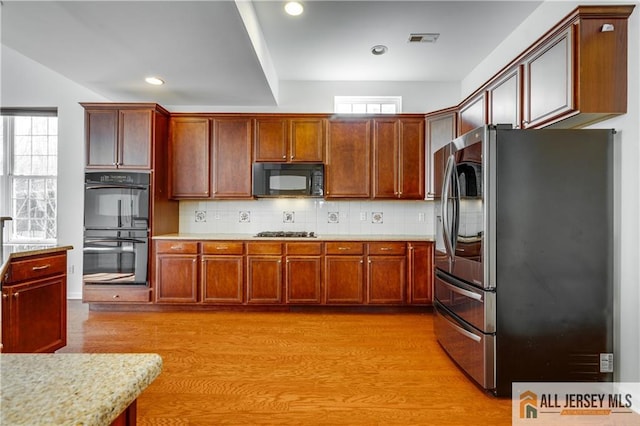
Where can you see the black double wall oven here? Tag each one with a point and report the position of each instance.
(116, 228)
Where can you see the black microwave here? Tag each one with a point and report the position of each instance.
(288, 180)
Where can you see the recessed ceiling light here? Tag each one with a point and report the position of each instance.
(154, 80)
(379, 49)
(293, 8)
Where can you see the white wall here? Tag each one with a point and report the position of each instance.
(25, 83)
(317, 96)
(627, 180)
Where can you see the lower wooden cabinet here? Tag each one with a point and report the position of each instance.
(34, 305)
(386, 273)
(293, 273)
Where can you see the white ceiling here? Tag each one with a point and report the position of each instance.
(234, 53)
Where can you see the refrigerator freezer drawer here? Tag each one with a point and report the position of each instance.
(472, 304)
(472, 350)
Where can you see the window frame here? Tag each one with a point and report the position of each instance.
(369, 101)
(7, 176)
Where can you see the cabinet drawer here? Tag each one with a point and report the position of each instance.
(386, 248)
(107, 293)
(345, 247)
(182, 247)
(34, 268)
(304, 248)
(222, 247)
(264, 248)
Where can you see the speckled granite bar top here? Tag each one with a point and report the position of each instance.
(72, 389)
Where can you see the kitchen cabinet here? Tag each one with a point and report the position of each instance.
(232, 140)
(386, 263)
(344, 272)
(264, 273)
(303, 273)
(504, 99)
(398, 158)
(348, 159)
(190, 157)
(176, 272)
(441, 129)
(420, 273)
(210, 156)
(288, 139)
(34, 304)
(472, 114)
(222, 272)
(123, 136)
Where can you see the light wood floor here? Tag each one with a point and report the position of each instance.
(302, 368)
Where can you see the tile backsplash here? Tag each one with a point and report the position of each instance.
(311, 215)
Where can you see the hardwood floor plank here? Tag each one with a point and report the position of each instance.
(290, 368)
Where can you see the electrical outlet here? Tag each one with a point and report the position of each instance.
(71, 269)
(363, 215)
(421, 217)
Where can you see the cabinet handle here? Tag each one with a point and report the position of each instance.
(39, 268)
(385, 248)
(221, 247)
(175, 247)
(344, 248)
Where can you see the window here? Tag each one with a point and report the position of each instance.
(368, 104)
(28, 175)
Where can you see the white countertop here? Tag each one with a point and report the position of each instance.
(72, 389)
(324, 237)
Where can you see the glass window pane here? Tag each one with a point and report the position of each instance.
(22, 125)
(373, 108)
(388, 108)
(359, 108)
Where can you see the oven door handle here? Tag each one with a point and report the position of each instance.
(114, 240)
(140, 187)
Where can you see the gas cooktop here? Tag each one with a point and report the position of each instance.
(286, 234)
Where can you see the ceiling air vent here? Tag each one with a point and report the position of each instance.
(423, 37)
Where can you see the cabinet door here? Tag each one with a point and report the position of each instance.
(37, 316)
(344, 279)
(222, 279)
(303, 279)
(420, 273)
(134, 135)
(386, 152)
(306, 140)
(348, 162)
(412, 161)
(232, 158)
(264, 279)
(504, 100)
(176, 278)
(190, 157)
(101, 138)
(441, 129)
(386, 279)
(271, 139)
(472, 114)
(548, 81)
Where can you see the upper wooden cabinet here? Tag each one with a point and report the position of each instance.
(505, 98)
(231, 158)
(472, 114)
(289, 139)
(190, 157)
(441, 129)
(398, 158)
(122, 136)
(210, 156)
(348, 160)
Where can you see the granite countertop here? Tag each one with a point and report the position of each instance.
(324, 237)
(16, 255)
(72, 389)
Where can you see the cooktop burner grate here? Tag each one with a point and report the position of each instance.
(286, 234)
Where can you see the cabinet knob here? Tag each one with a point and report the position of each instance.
(15, 295)
(116, 296)
(4, 295)
(284, 157)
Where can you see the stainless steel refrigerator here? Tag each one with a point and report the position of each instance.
(523, 279)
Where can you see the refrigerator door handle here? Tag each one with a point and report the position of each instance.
(446, 187)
